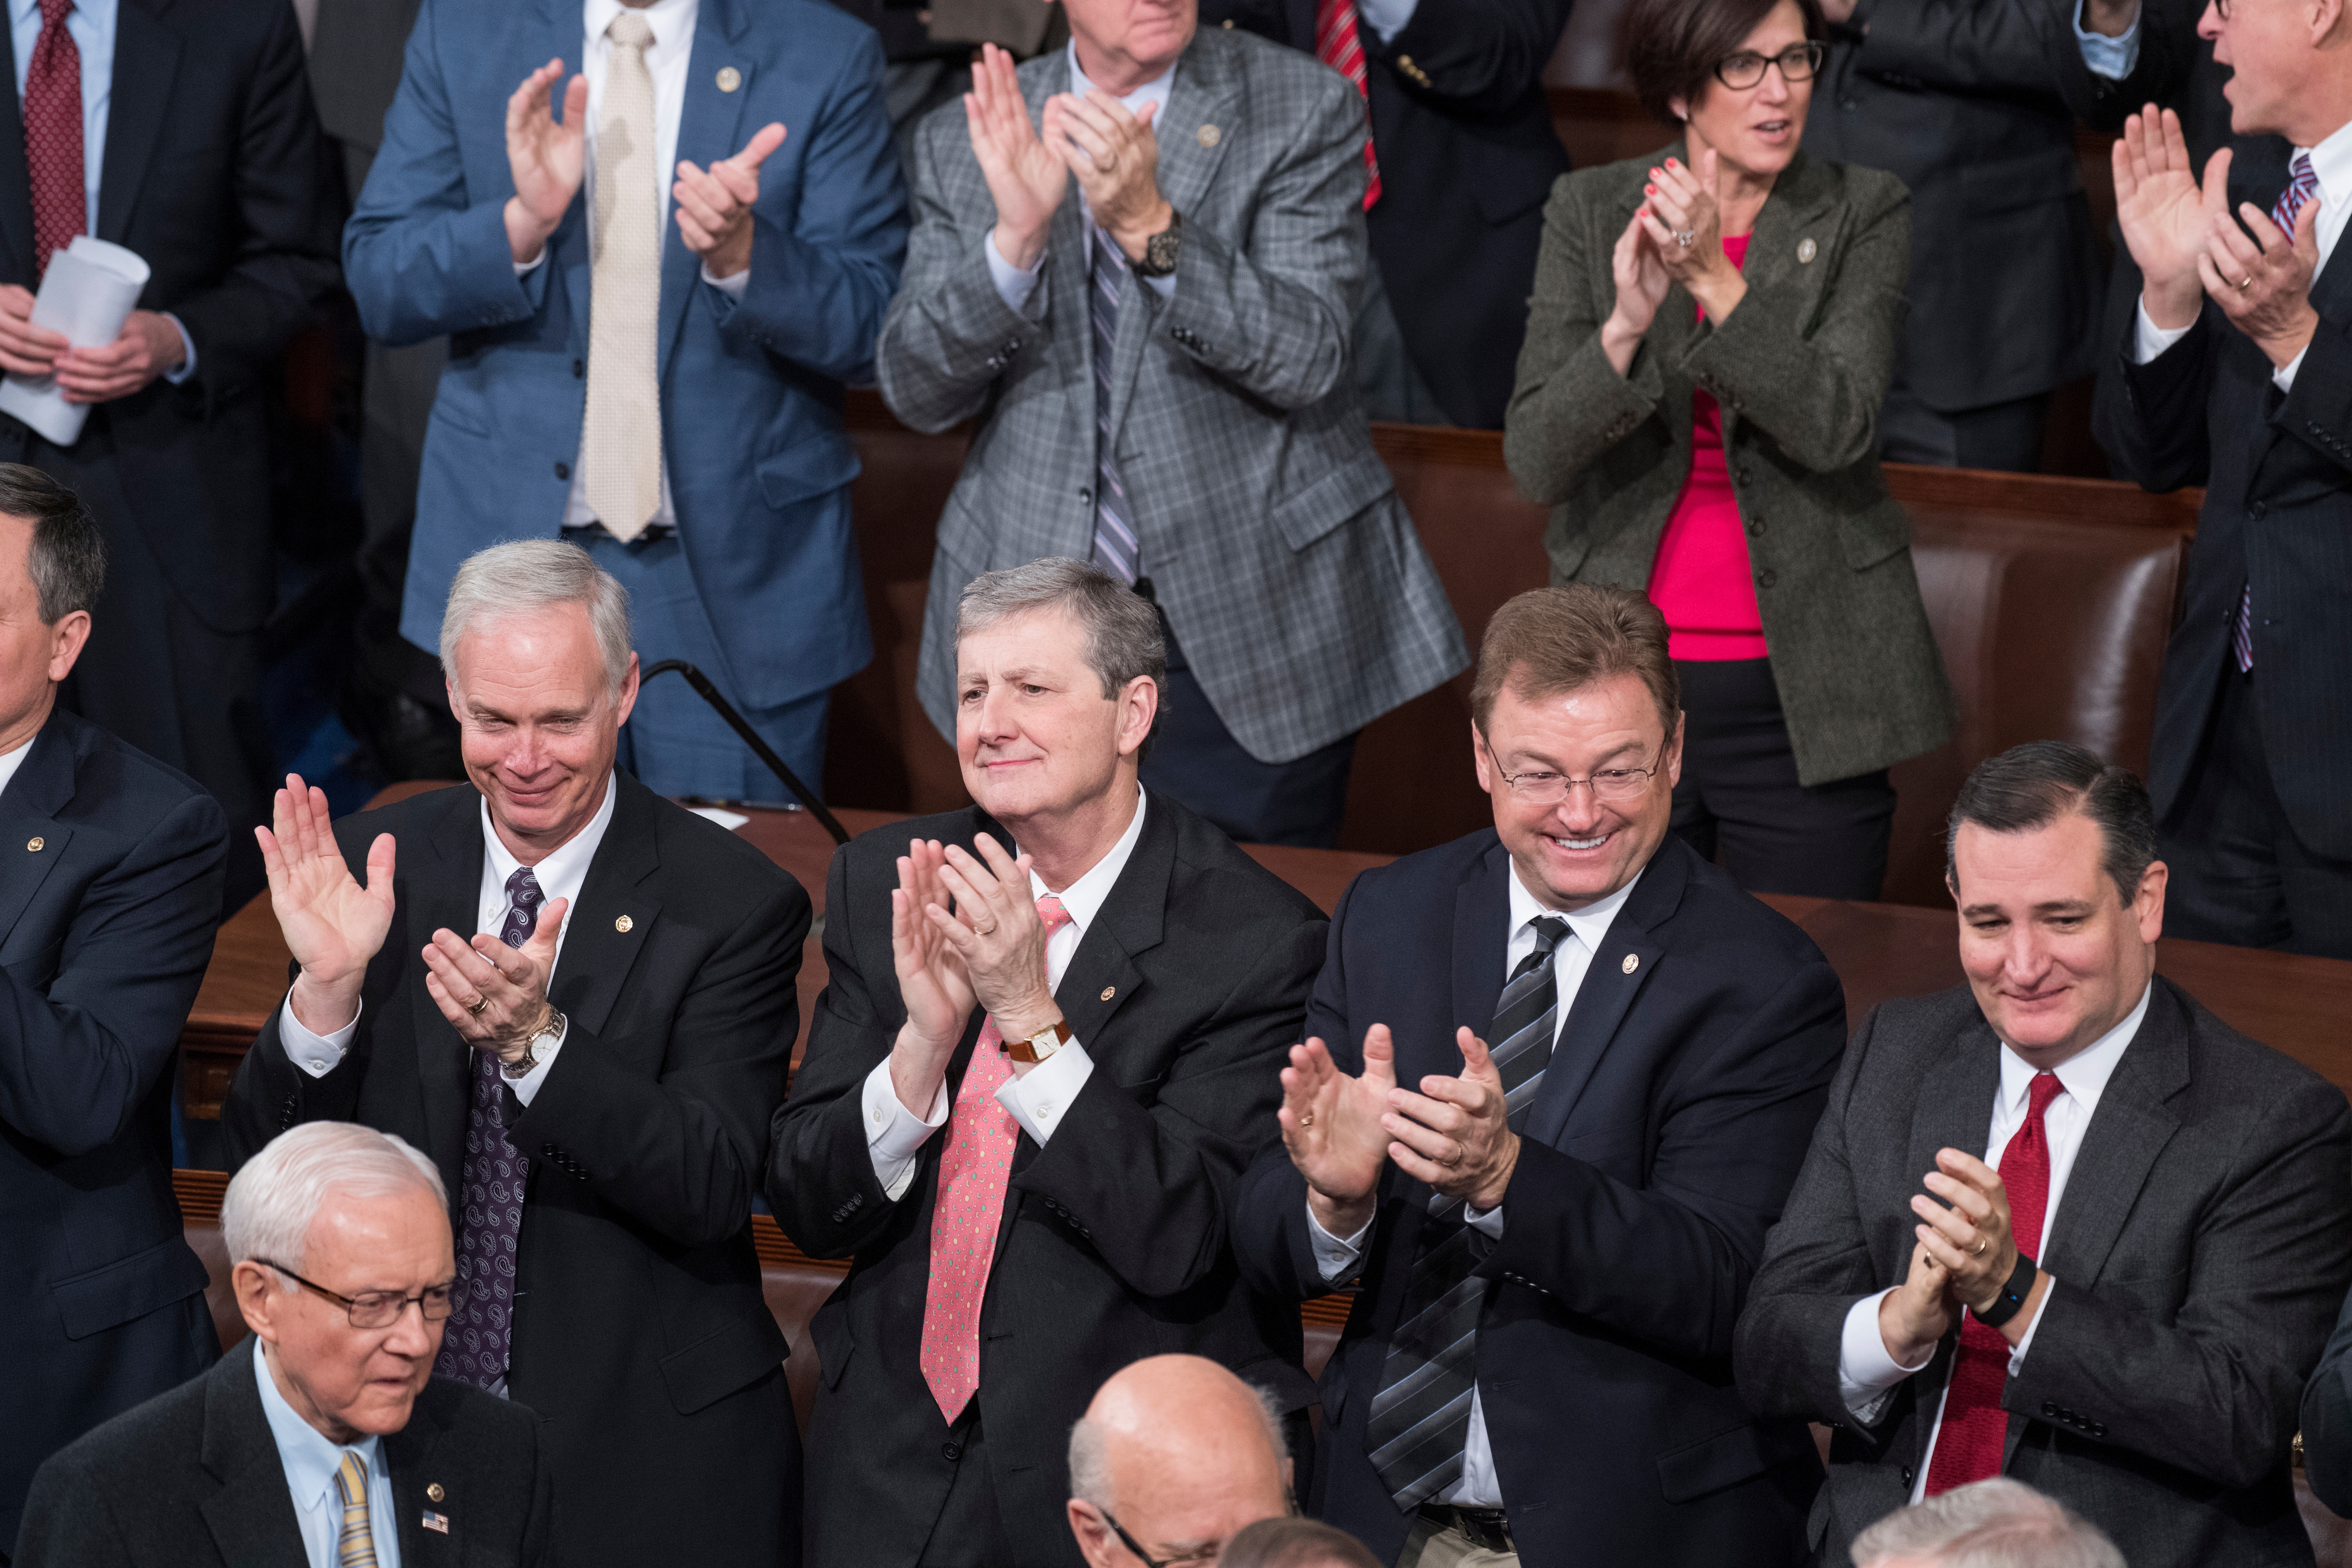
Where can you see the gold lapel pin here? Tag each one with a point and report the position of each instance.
(433, 1493)
(1633, 962)
(1109, 992)
(1807, 250)
(622, 923)
(730, 79)
(1211, 135)
(34, 843)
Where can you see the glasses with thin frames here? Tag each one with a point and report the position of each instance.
(1538, 788)
(1743, 70)
(1146, 1558)
(379, 1309)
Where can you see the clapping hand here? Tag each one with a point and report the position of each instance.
(493, 994)
(547, 158)
(1915, 1316)
(2262, 277)
(2166, 217)
(1114, 157)
(333, 926)
(1970, 1239)
(1024, 179)
(1642, 283)
(1331, 1125)
(1455, 1134)
(714, 205)
(1681, 212)
(933, 983)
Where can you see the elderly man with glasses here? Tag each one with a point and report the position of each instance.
(326, 1440)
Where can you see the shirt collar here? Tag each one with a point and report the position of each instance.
(309, 1460)
(1156, 91)
(563, 866)
(2331, 161)
(1084, 898)
(2083, 1075)
(1589, 923)
(671, 20)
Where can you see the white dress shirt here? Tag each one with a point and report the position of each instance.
(2331, 161)
(1038, 1100)
(1015, 285)
(1867, 1375)
(1338, 1260)
(559, 875)
(311, 1463)
(11, 760)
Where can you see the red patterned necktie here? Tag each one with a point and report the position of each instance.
(53, 151)
(1336, 46)
(973, 1169)
(1976, 1428)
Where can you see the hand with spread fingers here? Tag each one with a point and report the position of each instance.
(1682, 215)
(1971, 1238)
(2262, 277)
(1455, 1134)
(547, 158)
(1026, 178)
(1333, 1127)
(995, 929)
(1915, 1316)
(1114, 157)
(932, 983)
(714, 204)
(333, 926)
(494, 996)
(2165, 213)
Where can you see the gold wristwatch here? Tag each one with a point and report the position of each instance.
(1041, 1045)
(522, 1065)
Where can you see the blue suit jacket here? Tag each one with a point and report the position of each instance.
(752, 430)
(1676, 1110)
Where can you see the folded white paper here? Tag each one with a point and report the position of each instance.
(87, 294)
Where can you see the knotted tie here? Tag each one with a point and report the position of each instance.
(1115, 551)
(355, 1543)
(1975, 1428)
(1421, 1416)
(489, 1228)
(1337, 45)
(53, 148)
(2303, 183)
(973, 1170)
(621, 449)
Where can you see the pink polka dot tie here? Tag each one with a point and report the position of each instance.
(53, 153)
(973, 1170)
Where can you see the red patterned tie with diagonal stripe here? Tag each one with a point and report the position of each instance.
(1336, 46)
(53, 151)
(1976, 1428)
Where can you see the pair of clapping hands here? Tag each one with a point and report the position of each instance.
(2189, 246)
(988, 949)
(1113, 154)
(1676, 235)
(1963, 1255)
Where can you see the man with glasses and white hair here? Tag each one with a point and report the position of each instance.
(1559, 1077)
(1995, 1523)
(326, 1440)
(577, 998)
(1045, 1050)
(1174, 1458)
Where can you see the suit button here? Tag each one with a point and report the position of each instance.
(1087, 496)
(2049, 1407)
(2098, 1428)
(996, 364)
(2257, 511)
(950, 1452)
(1744, 478)
(563, 470)
(1766, 577)
(1849, 105)
(579, 368)
(1906, 1475)
(1755, 528)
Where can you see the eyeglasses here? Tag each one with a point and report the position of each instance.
(1149, 1561)
(1743, 70)
(1608, 783)
(379, 1309)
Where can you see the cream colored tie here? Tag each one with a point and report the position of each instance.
(621, 446)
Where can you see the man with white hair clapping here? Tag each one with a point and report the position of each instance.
(577, 998)
(326, 1440)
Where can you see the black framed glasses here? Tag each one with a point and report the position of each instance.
(1798, 62)
(1149, 1561)
(379, 1309)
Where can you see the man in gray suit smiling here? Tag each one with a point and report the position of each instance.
(1135, 263)
(2116, 1304)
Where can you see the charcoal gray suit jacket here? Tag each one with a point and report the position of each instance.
(2201, 1248)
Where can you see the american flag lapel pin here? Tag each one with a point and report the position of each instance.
(438, 1522)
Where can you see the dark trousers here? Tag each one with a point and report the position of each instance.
(1195, 758)
(1740, 801)
(2239, 873)
(2004, 436)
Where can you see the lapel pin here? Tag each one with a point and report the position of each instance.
(1211, 135)
(433, 1493)
(1109, 992)
(34, 843)
(436, 1523)
(1633, 962)
(622, 923)
(730, 79)
(1806, 250)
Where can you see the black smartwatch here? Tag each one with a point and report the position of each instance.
(2012, 1296)
(1159, 250)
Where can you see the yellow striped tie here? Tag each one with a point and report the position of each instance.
(355, 1548)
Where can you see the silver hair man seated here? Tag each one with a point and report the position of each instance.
(1174, 1459)
(1996, 1523)
(324, 1439)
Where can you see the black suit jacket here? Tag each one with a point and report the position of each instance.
(193, 1478)
(214, 171)
(1672, 1119)
(105, 925)
(640, 1331)
(2199, 1250)
(2278, 517)
(1961, 100)
(1186, 991)
(1467, 156)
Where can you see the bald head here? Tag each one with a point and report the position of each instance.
(1181, 1454)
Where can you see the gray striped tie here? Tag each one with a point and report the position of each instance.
(1421, 1416)
(1115, 547)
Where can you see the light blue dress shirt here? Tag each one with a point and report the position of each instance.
(311, 1463)
(1386, 18)
(2111, 57)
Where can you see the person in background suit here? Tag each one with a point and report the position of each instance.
(1097, 1027)
(1995, 1521)
(592, 1075)
(2326, 1428)
(1174, 1458)
(1462, 153)
(656, 300)
(184, 132)
(2236, 372)
(2116, 1302)
(105, 925)
(325, 1442)
(1135, 264)
(1559, 1075)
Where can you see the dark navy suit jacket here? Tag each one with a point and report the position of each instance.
(1675, 1114)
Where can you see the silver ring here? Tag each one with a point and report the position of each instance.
(1686, 236)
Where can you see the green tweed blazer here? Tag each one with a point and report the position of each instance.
(1799, 370)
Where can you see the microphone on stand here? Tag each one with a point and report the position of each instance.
(759, 748)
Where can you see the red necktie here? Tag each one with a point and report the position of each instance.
(53, 151)
(1969, 1445)
(973, 1169)
(1336, 46)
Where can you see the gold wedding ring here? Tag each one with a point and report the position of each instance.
(1307, 1119)
(479, 1002)
(983, 930)
(1461, 1152)
(1980, 1248)
(2246, 283)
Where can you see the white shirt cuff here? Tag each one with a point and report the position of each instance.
(2016, 1356)
(1039, 1098)
(528, 1085)
(1866, 1373)
(2283, 377)
(534, 264)
(1015, 285)
(187, 345)
(2148, 340)
(895, 1135)
(1490, 1221)
(2111, 57)
(317, 1054)
(732, 287)
(1336, 1260)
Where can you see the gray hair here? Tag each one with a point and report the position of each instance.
(525, 576)
(271, 1204)
(1995, 1523)
(1090, 1448)
(68, 560)
(1122, 627)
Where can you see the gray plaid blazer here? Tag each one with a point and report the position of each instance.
(1270, 529)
